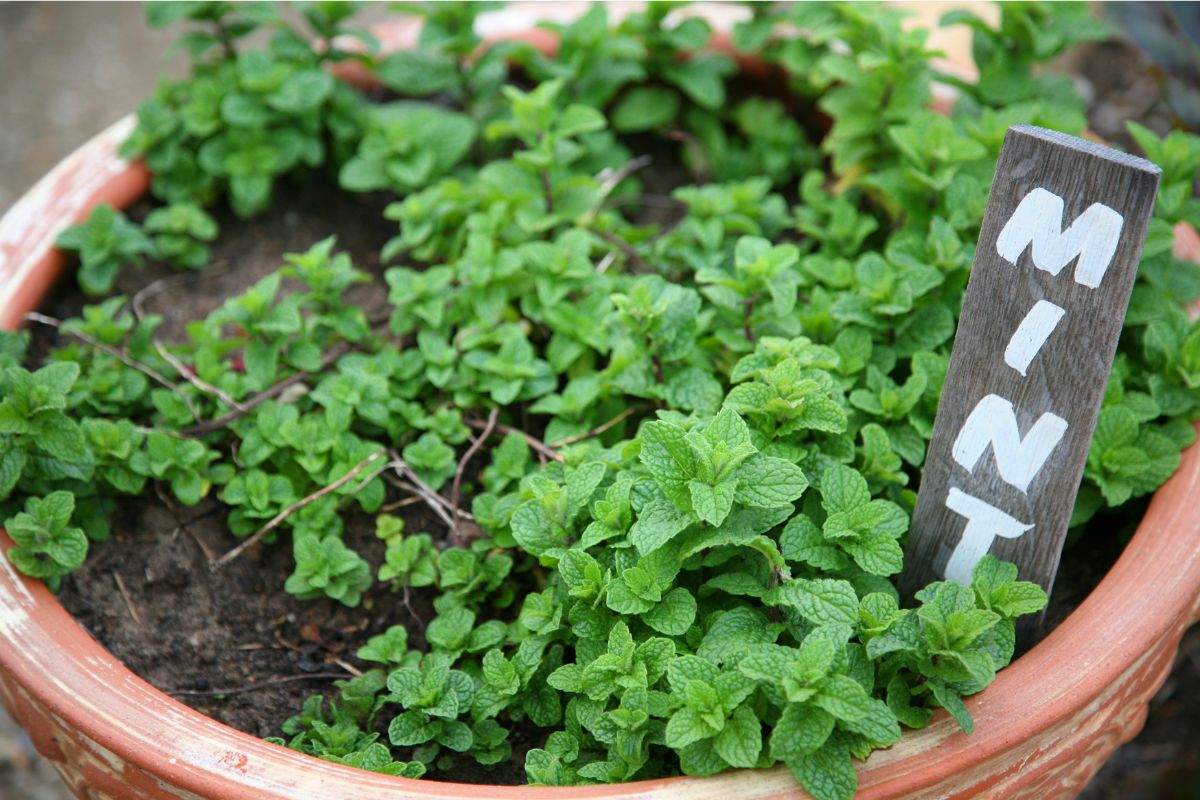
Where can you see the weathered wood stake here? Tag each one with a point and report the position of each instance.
(1058, 252)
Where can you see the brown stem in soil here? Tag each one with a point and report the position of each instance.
(626, 248)
(293, 508)
(596, 431)
(353, 670)
(547, 191)
(186, 527)
(747, 312)
(407, 598)
(534, 442)
(435, 501)
(610, 179)
(456, 535)
(149, 372)
(254, 687)
(408, 501)
(419, 494)
(127, 598)
(209, 426)
(195, 380)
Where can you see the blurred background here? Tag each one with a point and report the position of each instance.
(71, 69)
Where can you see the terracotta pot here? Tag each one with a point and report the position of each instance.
(1042, 729)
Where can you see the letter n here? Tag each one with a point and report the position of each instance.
(994, 422)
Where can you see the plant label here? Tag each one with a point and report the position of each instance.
(1057, 255)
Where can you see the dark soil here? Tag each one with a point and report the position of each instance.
(196, 633)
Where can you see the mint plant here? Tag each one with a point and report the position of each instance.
(40, 441)
(245, 116)
(405, 146)
(47, 546)
(660, 362)
(181, 233)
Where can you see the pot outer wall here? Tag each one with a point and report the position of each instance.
(1042, 730)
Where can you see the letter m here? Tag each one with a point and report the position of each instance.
(1093, 237)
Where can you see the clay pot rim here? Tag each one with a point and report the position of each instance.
(67, 672)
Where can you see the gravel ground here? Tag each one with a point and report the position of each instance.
(83, 66)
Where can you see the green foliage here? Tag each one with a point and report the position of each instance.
(681, 534)
(243, 118)
(1028, 34)
(46, 545)
(955, 640)
(104, 242)
(1178, 155)
(440, 64)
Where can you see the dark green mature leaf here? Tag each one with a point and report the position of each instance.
(645, 108)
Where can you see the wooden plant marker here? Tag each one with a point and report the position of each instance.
(1057, 256)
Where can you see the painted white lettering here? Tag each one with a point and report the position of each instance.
(984, 523)
(1093, 236)
(1031, 334)
(994, 421)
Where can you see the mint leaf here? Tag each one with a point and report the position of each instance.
(822, 601)
(767, 482)
(645, 108)
(657, 524)
(827, 774)
(712, 503)
(801, 731)
(740, 741)
(674, 614)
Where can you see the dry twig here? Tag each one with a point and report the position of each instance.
(408, 501)
(609, 179)
(534, 442)
(419, 495)
(195, 380)
(155, 287)
(408, 604)
(596, 431)
(435, 501)
(353, 670)
(635, 260)
(293, 508)
(254, 687)
(456, 486)
(149, 372)
(248, 405)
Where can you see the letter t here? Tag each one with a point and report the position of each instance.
(984, 523)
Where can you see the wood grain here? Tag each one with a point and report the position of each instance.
(1066, 376)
